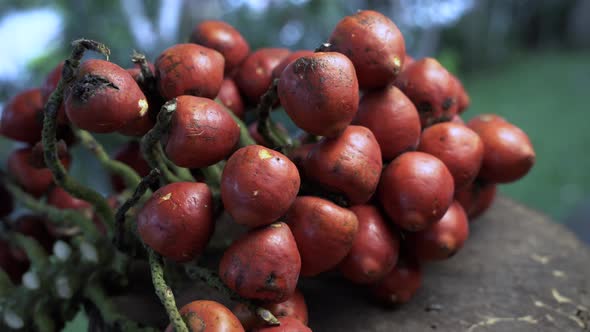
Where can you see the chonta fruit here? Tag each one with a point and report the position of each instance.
(320, 93)
(229, 95)
(294, 307)
(129, 154)
(276, 73)
(288, 324)
(201, 133)
(255, 74)
(177, 221)
(375, 249)
(205, 316)
(373, 43)
(263, 264)
(320, 226)
(415, 190)
(258, 185)
(401, 283)
(22, 117)
(476, 198)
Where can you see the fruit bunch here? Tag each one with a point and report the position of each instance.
(382, 177)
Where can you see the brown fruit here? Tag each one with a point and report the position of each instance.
(476, 198)
(177, 221)
(201, 134)
(320, 93)
(401, 284)
(189, 69)
(208, 316)
(463, 99)
(415, 190)
(130, 154)
(276, 73)
(263, 264)
(483, 120)
(373, 43)
(22, 118)
(375, 248)
(349, 164)
(294, 307)
(392, 118)
(320, 226)
(288, 324)
(255, 73)
(229, 95)
(458, 147)
(223, 38)
(258, 185)
(442, 239)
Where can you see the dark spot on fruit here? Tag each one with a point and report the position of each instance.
(424, 107)
(88, 86)
(447, 103)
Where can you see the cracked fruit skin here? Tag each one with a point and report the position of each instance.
(201, 133)
(189, 69)
(22, 118)
(258, 185)
(320, 93)
(255, 74)
(401, 283)
(177, 221)
(104, 98)
(288, 324)
(324, 233)
(415, 190)
(263, 264)
(373, 43)
(205, 316)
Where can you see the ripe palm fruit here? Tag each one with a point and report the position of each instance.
(129, 154)
(204, 315)
(320, 93)
(229, 95)
(373, 43)
(104, 98)
(189, 69)
(177, 221)
(276, 73)
(22, 118)
(255, 74)
(401, 283)
(263, 264)
(476, 198)
(294, 307)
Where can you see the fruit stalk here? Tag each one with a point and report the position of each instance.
(266, 127)
(183, 173)
(32, 248)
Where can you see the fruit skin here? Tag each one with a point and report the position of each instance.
(375, 248)
(201, 133)
(189, 69)
(129, 154)
(373, 43)
(294, 307)
(255, 73)
(463, 99)
(223, 38)
(263, 264)
(229, 95)
(508, 151)
(476, 198)
(22, 118)
(431, 88)
(276, 73)
(104, 98)
(288, 324)
(392, 118)
(299, 155)
(443, 239)
(47, 88)
(350, 164)
(415, 190)
(401, 284)
(258, 185)
(208, 316)
(458, 147)
(320, 226)
(177, 221)
(320, 93)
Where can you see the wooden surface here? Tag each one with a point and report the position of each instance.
(519, 271)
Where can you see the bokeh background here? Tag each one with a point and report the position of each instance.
(527, 60)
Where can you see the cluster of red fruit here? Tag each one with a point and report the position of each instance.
(383, 134)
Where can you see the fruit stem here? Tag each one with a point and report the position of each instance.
(266, 127)
(149, 79)
(164, 292)
(325, 47)
(184, 174)
(211, 278)
(52, 161)
(245, 137)
(32, 248)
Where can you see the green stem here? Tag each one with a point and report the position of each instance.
(32, 248)
(52, 161)
(245, 137)
(183, 174)
(164, 292)
(266, 127)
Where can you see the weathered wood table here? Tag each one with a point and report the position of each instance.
(519, 271)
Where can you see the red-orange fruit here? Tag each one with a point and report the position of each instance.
(201, 134)
(255, 74)
(223, 38)
(320, 93)
(130, 154)
(104, 98)
(258, 185)
(415, 190)
(375, 248)
(138, 127)
(263, 264)
(401, 284)
(229, 95)
(22, 118)
(320, 226)
(458, 147)
(47, 88)
(189, 69)
(276, 73)
(442, 239)
(476, 198)
(177, 221)
(373, 43)
(463, 99)
(288, 324)
(431, 88)
(294, 307)
(33, 180)
(299, 155)
(349, 164)
(457, 119)
(408, 60)
(392, 118)
(61, 199)
(208, 316)
(508, 151)
(483, 120)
